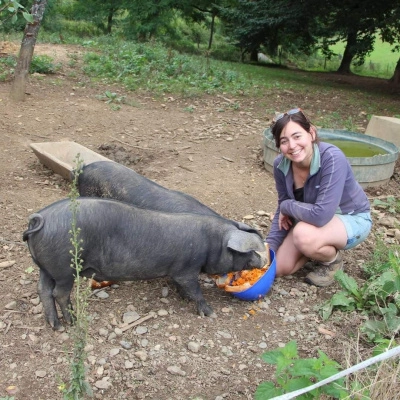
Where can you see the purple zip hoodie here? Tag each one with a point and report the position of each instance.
(329, 189)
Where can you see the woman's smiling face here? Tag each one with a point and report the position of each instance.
(296, 143)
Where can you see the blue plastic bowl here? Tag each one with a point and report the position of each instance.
(262, 286)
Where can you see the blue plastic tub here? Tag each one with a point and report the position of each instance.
(262, 286)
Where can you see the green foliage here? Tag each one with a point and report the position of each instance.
(391, 204)
(43, 64)
(10, 11)
(77, 386)
(7, 65)
(378, 298)
(113, 99)
(155, 68)
(293, 373)
(379, 262)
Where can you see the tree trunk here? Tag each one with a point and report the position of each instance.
(211, 31)
(395, 79)
(110, 21)
(348, 54)
(21, 73)
(254, 55)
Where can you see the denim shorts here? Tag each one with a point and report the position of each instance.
(357, 226)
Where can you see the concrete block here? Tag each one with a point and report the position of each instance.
(386, 128)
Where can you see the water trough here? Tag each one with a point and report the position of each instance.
(369, 171)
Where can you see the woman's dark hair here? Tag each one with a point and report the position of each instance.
(298, 117)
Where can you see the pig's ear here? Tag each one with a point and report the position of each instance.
(244, 242)
(247, 228)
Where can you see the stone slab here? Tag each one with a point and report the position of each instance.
(60, 156)
(386, 128)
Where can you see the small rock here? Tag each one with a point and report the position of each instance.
(128, 364)
(35, 301)
(102, 295)
(11, 306)
(126, 345)
(103, 384)
(194, 347)
(261, 213)
(175, 370)
(118, 331)
(103, 332)
(37, 309)
(64, 337)
(141, 355)
(225, 335)
(114, 352)
(130, 316)
(40, 373)
(162, 312)
(141, 330)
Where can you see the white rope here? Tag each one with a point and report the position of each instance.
(381, 357)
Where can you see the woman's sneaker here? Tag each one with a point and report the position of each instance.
(323, 275)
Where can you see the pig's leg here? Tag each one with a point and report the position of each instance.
(45, 289)
(61, 293)
(190, 289)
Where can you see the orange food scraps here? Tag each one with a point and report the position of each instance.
(98, 285)
(251, 276)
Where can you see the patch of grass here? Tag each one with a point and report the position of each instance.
(152, 67)
(380, 63)
(379, 381)
(43, 64)
(7, 66)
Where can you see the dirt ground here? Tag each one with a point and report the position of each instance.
(206, 148)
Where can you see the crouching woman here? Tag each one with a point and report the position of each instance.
(322, 209)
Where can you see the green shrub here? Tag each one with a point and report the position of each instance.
(293, 373)
(378, 298)
(43, 64)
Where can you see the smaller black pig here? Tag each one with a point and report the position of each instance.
(112, 180)
(123, 242)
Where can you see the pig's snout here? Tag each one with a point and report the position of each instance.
(264, 256)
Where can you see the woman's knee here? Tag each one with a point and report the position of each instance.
(304, 236)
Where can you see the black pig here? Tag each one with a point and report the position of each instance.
(123, 242)
(113, 180)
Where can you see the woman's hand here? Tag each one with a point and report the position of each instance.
(284, 222)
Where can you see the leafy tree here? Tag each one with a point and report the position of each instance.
(101, 12)
(275, 25)
(203, 11)
(390, 33)
(149, 18)
(10, 10)
(356, 23)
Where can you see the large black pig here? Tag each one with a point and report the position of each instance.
(114, 181)
(123, 242)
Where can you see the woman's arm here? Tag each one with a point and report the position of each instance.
(326, 193)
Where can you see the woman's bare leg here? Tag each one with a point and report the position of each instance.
(288, 258)
(320, 243)
(306, 241)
